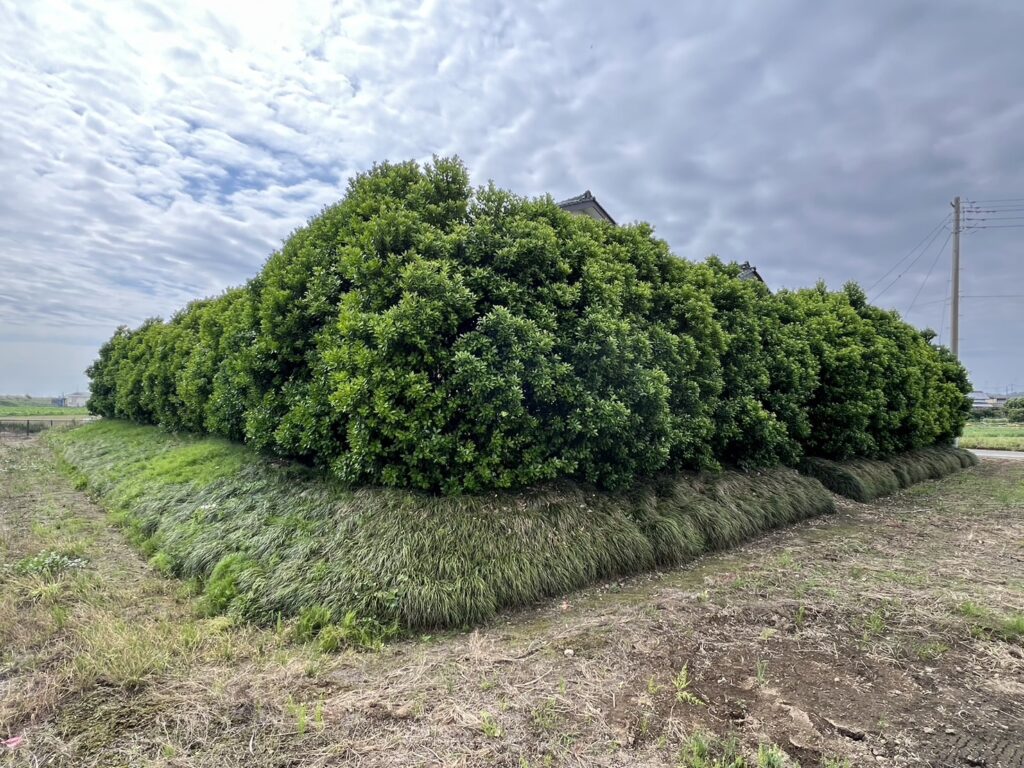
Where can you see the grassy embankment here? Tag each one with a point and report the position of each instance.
(265, 540)
(995, 434)
(867, 479)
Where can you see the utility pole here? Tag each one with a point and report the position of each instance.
(954, 317)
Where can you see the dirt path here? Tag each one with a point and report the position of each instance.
(884, 635)
(987, 453)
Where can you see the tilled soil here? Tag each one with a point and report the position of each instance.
(876, 636)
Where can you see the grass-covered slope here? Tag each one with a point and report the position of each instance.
(867, 479)
(265, 538)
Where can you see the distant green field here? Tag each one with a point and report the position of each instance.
(14, 401)
(18, 411)
(995, 434)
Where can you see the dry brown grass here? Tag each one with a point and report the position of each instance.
(846, 637)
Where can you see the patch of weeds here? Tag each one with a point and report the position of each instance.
(125, 654)
(312, 619)
(59, 614)
(801, 617)
(643, 726)
(652, 686)
(762, 672)
(876, 623)
(930, 651)
(544, 717)
(805, 587)
(49, 564)
(492, 728)
(299, 712)
(45, 592)
(163, 563)
(835, 762)
(683, 692)
(971, 610)
(984, 624)
(705, 750)
(352, 631)
(786, 561)
(770, 756)
(1011, 628)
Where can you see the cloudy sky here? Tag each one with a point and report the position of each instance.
(155, 152)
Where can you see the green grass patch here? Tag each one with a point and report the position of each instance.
(14, 411)
(269, 540)
(986, 623)
(994, 435)
(867, 479)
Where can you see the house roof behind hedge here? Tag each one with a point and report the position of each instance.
(587, 205)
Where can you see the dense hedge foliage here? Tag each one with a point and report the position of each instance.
(421, 334)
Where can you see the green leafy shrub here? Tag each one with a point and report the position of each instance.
(423, 335)
(1014, 410)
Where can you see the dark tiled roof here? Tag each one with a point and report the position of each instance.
(584, 198)
(748, 272)
(581, 204)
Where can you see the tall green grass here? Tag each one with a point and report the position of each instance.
(268, 539)
(866, 479)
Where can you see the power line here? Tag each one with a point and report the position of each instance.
(975, 296)
(1000, 209)
(930, 270)
(995, 296)
(995, 226)
(937, 231)
(909, 253)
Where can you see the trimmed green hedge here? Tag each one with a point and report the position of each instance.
(267, 539)
(866, 479)
(423, 335)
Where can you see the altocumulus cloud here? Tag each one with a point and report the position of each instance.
(152, 153)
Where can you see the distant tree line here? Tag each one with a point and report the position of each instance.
(422, 334)
(1015, 410)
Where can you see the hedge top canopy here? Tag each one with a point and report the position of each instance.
(423, 334)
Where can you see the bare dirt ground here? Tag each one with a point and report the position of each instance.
(888, 634)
